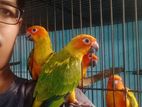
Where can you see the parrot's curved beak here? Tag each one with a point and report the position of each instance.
(94, 47)
(28, 36)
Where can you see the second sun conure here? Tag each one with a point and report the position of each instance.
(41, 51)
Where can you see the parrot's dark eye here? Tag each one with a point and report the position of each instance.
(86, 41)
(34, 30)
(90, 56)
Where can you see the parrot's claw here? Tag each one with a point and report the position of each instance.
(77, 104)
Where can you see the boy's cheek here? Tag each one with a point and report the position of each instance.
(0, 41)
(3, 57)
(5, 53)
(7, 40)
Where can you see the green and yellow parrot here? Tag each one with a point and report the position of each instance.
(61, 73)
(41, 51)
(89, 59)
(121, 96)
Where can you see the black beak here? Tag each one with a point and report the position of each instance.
(93, 63)
(94, 47)
(28, 36)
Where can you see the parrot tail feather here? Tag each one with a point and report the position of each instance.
(55, 101)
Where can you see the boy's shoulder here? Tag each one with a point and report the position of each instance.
(23, 85)
(20, 93)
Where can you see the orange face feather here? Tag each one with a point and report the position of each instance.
(88, 58)
(116, 98)
(86, 62)
(115, 82)
(81, 44)
(36, 32)
(83, 40)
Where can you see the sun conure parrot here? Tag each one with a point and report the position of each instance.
(42, 49)
(89, 59)
(86, 62)
(121, 96)
(61, 73)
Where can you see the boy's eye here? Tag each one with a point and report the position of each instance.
(6, 13)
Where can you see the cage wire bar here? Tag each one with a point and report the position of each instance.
(102, 49)
(117, 25)
(124, 44)
(137, 46)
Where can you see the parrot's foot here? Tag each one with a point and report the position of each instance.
(77, 104)
(73, 101)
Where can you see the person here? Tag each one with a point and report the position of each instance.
(16, 91)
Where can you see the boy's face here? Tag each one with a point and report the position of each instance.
(8, 32)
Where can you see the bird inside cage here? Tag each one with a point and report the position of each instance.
(118, 95)
(39, 35)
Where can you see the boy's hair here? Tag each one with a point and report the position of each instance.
(20, 3)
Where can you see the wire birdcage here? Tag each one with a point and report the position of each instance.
(117, 25)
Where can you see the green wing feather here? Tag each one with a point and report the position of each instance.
(60, 75)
